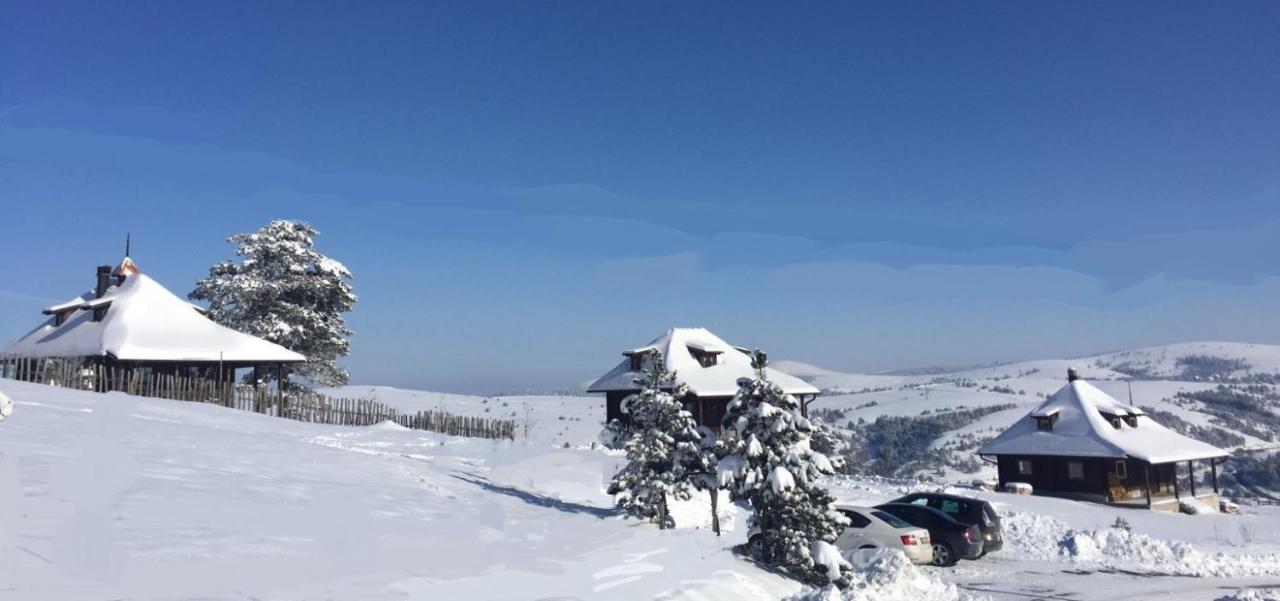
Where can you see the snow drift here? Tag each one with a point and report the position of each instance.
(1047, 538)
(885, 575)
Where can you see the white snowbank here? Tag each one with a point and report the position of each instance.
(885, 575)
(6, 406)
(1043, 537)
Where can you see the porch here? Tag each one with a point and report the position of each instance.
(1165, 486)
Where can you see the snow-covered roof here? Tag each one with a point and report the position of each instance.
(145, 322)
(1080, 430)
(677, 345)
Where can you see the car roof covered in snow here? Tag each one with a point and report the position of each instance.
(1079, 429)
(677, 346)
(144, 321)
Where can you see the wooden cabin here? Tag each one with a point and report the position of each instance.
(1081, 443)
(129, 322)
(706, 364)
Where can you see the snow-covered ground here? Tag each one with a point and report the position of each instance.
(117, 497)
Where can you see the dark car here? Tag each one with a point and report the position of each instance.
(952, 540)
(974, 512)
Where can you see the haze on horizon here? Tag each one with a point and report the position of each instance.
(523, 190)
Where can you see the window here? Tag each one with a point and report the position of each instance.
(1075, 470)
(705, 358)
(1044, 424)
(1132, 420)
(1115, 423)
(856, 520)
(1122, 469)
(951, 507)
(1024, 467)
(920, 501)
(891, 520)
(637, 361)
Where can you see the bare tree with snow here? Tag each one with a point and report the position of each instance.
(772, 467)
(285, 291)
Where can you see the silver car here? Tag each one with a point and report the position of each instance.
(871, 528)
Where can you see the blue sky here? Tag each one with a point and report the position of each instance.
(524, 189)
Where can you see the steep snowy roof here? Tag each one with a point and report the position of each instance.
(1080, 430)
(145, 322)
(678, 346)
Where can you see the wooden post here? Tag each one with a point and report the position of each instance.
(715, 510)
(1176, 493)
(1191, 473)
(1213, 469)
(1146, 473)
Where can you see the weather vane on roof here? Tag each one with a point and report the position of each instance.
(127, 241)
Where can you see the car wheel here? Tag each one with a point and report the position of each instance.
(943, 555)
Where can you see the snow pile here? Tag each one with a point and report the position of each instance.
(1046, 538)
(1194, 507)
(885, 575)
(1253, 594)
(1032, 535)
(6, 406)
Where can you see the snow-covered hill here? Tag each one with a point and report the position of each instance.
(112, 496)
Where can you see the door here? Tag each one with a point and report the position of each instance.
(855, 534)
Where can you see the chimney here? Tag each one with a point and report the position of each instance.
(104, 280)
(1072, 376)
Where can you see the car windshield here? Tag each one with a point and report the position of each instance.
(890, 519)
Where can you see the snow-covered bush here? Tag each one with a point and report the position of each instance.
(285, 291)
(665, 449)
(769, 464)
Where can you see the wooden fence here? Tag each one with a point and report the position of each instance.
(295, 404)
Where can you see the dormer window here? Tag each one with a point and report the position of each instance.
(61, 313)
(705, 357)
(1132, 420)
(637, 361)
(1116, 421)
(99, 307)
(1044, 423)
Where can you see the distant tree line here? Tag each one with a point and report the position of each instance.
(1209, 434)
(1247, 409)
(898, 445)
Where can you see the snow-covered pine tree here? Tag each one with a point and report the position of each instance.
(285, 291)
(771, 466)
(665, 450)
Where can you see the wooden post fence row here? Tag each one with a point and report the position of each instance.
(296, 404)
